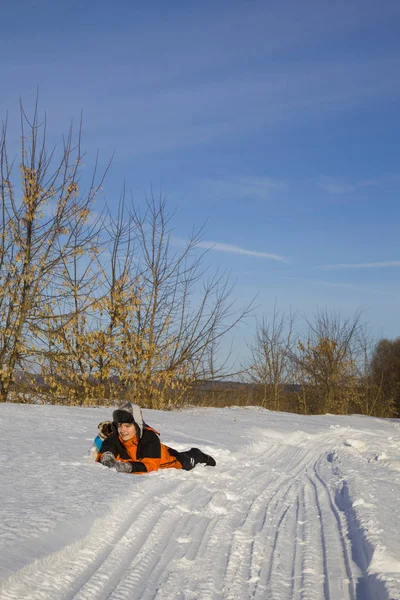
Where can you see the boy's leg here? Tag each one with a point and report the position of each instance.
(190, 458)
(187, 461)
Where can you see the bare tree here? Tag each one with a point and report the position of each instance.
(212, 377)
(145, 321)
(270, 362)
(181, 314)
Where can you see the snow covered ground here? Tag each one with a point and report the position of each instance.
(296, 508)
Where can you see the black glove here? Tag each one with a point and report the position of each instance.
(108, 460)
(124, 467)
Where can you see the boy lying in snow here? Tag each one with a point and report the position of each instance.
(130, 446)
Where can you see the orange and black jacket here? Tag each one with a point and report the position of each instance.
(146, 454)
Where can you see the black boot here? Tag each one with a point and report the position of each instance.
(201, 457)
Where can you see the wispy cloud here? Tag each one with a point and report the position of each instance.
(371, 265)
(332, 186)
(351, 286)
(344, 286)
(228, 248)
(338, 186)
(250, 187)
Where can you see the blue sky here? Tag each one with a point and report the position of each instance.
(277, 122)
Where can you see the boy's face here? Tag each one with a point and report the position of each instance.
(126, 431)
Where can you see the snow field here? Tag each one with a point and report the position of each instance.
(296, 508)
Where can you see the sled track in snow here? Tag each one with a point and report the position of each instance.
(265, 525)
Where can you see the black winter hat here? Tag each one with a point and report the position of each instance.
(129, 413)
(122, 416)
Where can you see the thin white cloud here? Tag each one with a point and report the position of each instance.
(351, 286)
(251, 187)
(337, 186)
(345, 286)
(372, 265)
(228, 248)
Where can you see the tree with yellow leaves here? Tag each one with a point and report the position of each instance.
(327, 363)
(99, 307)
(44, 223)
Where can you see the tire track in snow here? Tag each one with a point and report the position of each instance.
(296, 564)
(358, 550)
(135, 547)
(208, 555)
(62, 574)
(262, 525)
(146, 548)
(338, 530)
(242, 569)
(281, 545)
(312, 585)
(280, 495)
(209, 551)
(323, 540)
